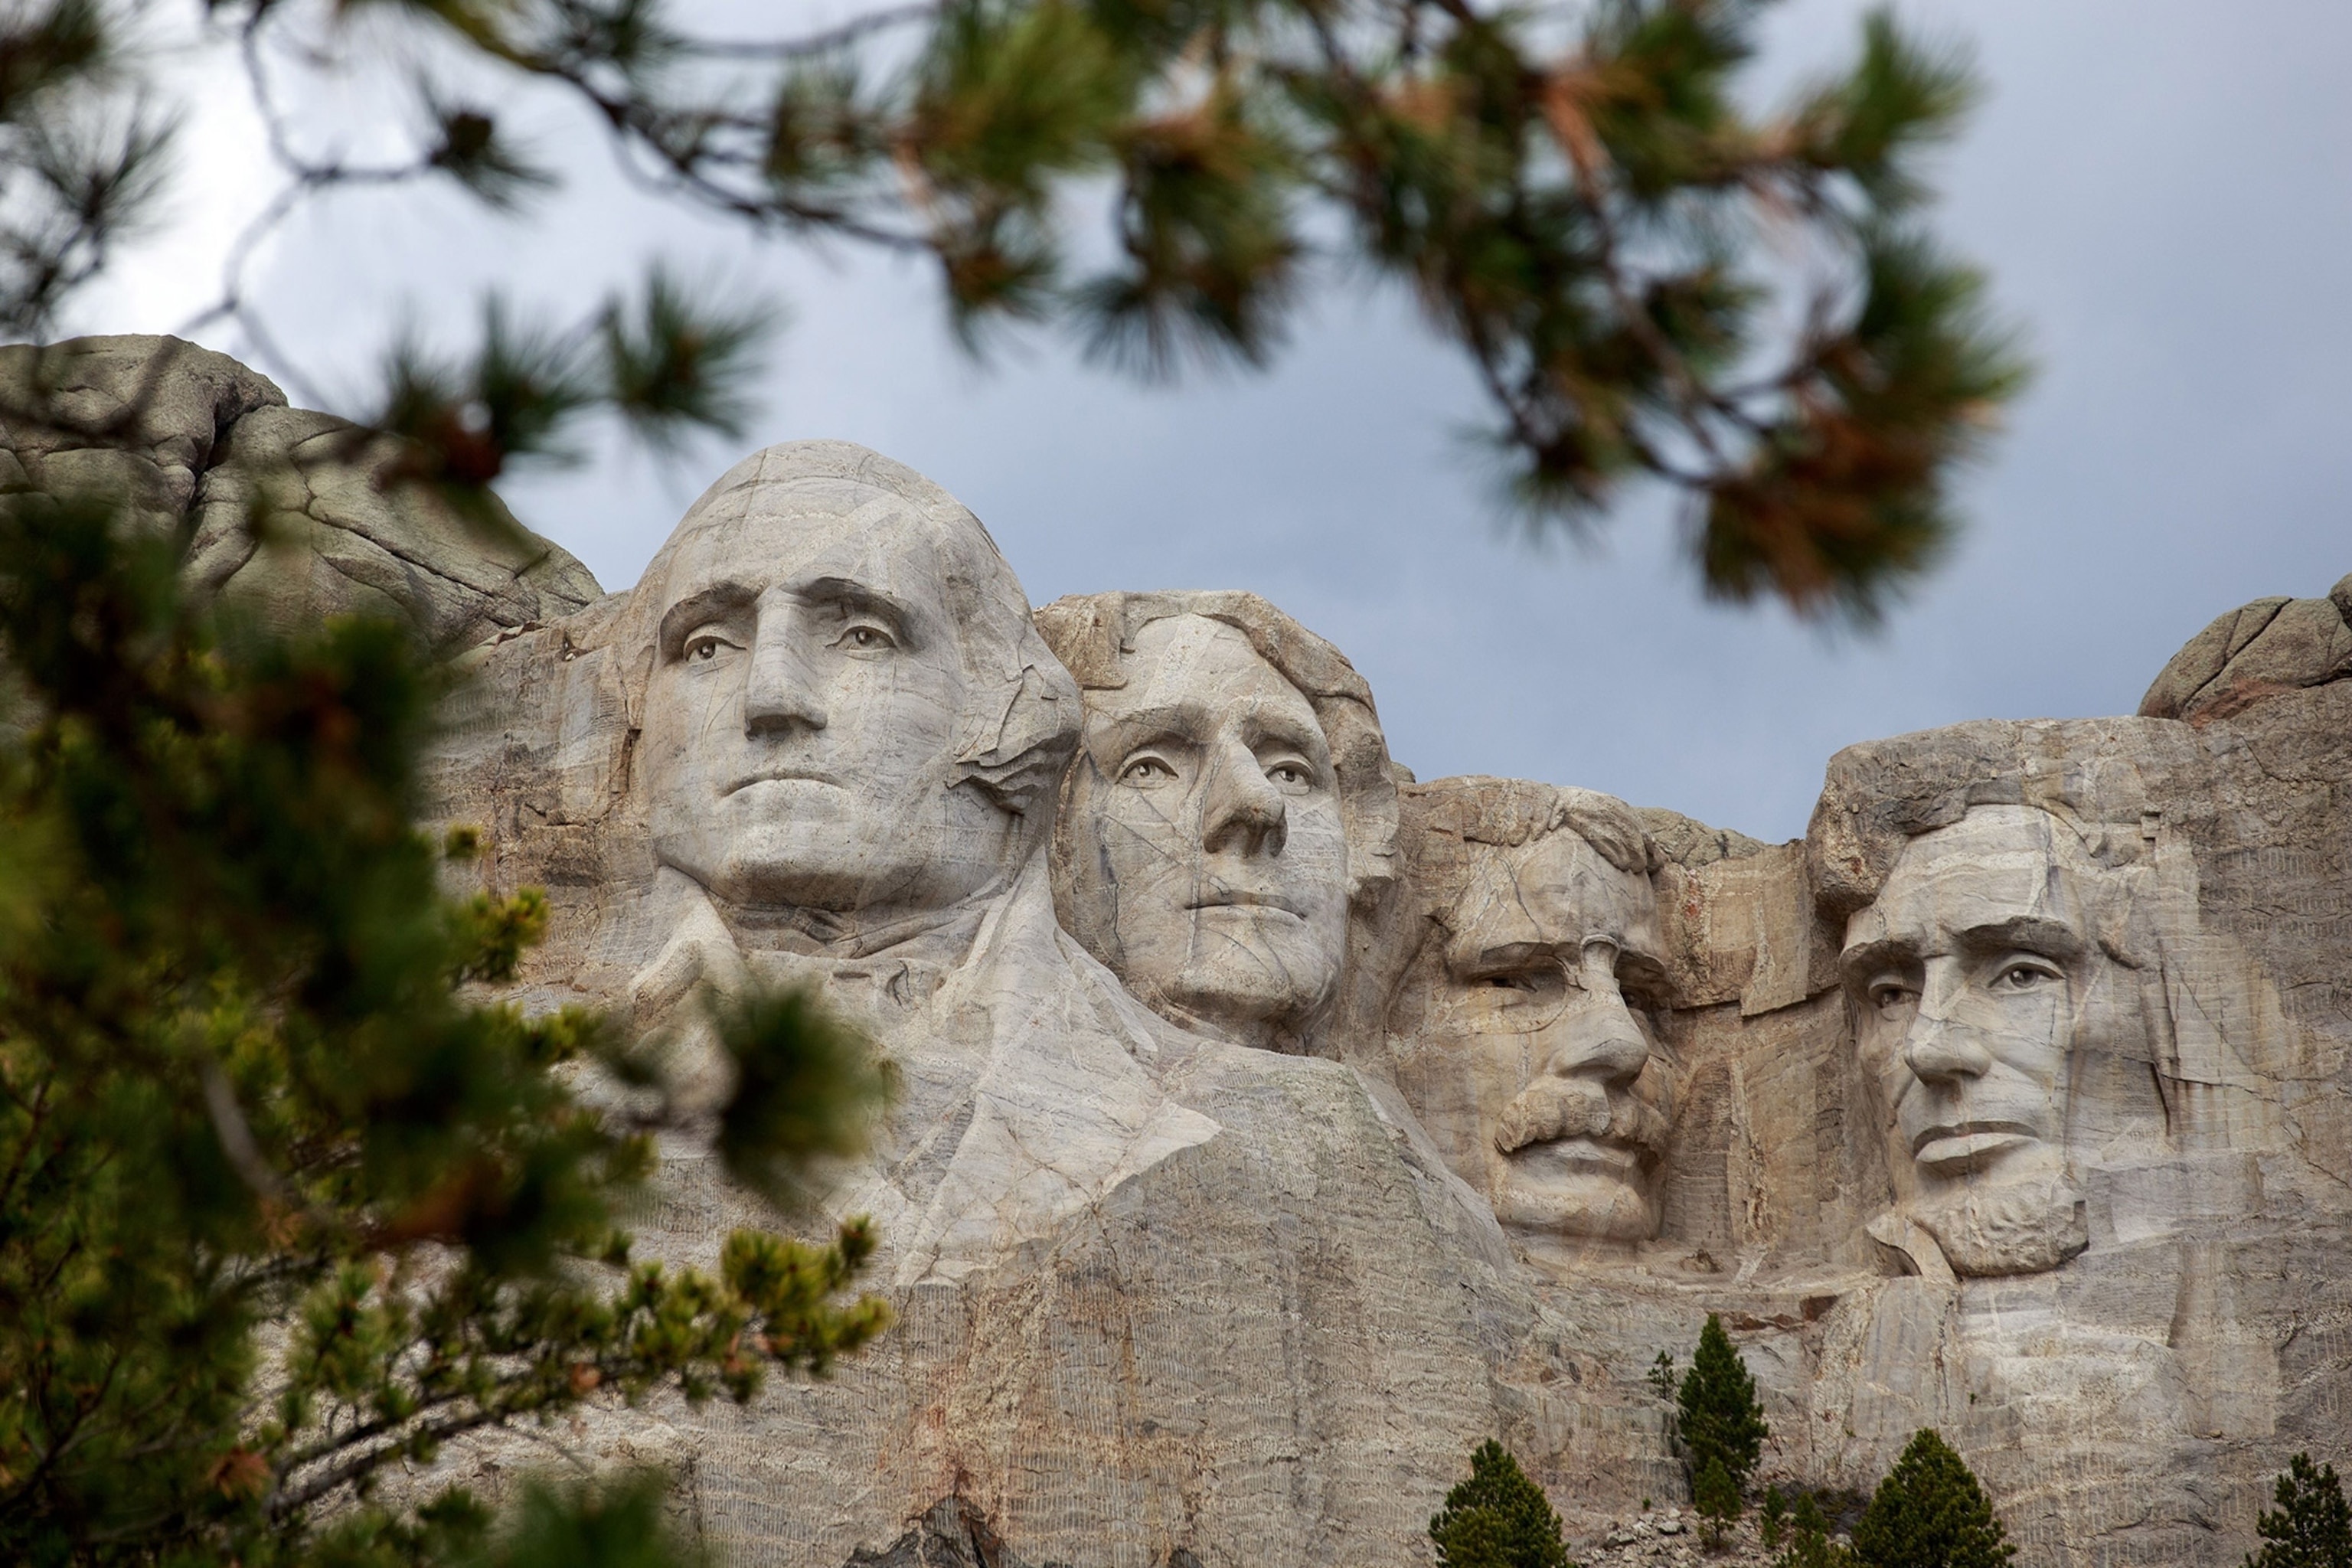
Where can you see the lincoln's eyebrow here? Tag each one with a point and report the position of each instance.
(1864, 959)
(1185, 720)
(697, 607)
(2028, 933)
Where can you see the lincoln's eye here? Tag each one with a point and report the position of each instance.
(2023, 976)
(1146, 771)
(1289, 776)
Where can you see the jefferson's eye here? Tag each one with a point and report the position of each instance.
(864, 637)
(1146, 771)
(1290, 777)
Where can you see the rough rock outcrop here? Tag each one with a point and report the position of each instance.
(1276, 1128)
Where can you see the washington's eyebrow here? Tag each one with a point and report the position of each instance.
(857, 598)
(703, 605)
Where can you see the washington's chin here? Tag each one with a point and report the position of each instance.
(1577, 1187)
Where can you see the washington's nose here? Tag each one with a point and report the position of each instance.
(780, 692)
(1240, 809)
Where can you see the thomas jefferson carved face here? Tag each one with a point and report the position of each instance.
(1535, 1064)
(1994, 1024)
(1209, 863)
(802, 714)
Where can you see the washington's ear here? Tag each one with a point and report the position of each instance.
(1016, 753)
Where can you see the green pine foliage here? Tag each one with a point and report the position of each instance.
(1717, 1498)
(284, 1204)
(1498, 1519)
(2312, 1527)
(1718, 1420)
(1809, 1541)
(1929, 1512)
(1587, 198)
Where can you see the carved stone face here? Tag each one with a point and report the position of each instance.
(1534, 1066)
(801, 712)
(1210, 868)
(1978, 984)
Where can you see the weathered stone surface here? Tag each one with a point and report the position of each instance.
(190, 439)
(2268, 646)
(1277, 1128)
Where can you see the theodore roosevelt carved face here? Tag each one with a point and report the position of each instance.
(1524, 1040)
(826, 644)
(1993, 1022)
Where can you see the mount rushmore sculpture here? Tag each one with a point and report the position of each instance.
(1274, 1126)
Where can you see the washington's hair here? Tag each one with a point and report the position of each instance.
(1021, 714)
(1094, 635)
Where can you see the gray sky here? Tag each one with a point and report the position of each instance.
(2161, 190)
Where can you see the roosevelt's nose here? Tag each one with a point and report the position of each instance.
(1598, 1036)
(1936, 1047)
(1240, 808)
(782, 691)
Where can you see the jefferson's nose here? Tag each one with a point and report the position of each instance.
(780, 692)
(1597, 1037)
(1240, 808)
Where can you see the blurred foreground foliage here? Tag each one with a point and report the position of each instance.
(1652, 277)
(285, 1204)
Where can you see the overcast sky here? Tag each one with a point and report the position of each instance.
(2162, 191)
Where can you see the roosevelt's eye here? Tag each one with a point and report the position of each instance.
(1512, 981)
(865, 637)
(2024, 973)
(1144, 772)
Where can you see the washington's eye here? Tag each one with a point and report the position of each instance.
(864, 637)
(1146, 771)
(703, 646)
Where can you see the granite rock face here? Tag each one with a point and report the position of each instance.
(293, 514)
(1276, 1127)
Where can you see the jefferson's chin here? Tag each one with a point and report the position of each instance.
(1577, 1187)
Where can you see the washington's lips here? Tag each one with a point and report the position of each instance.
(1954, 1141)
(776, 775)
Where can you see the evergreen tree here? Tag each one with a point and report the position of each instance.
(1719, 1419)
(1498, 1519)
(1810, 1545)
(1580, 194)
(284, 1206)
(1717, 1498)
(2312, 1527)
(1929, 1512)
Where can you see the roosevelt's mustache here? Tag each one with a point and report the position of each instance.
(1554, 1107)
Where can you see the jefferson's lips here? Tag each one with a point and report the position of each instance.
(1964, 1139)
(1242, 898)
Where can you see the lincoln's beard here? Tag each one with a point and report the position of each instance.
(2014, 1228)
